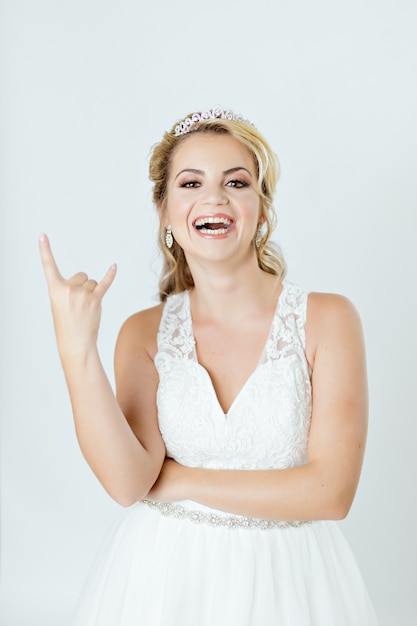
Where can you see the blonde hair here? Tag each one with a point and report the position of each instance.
(176, 275)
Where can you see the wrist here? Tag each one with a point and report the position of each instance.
(189, 481)
(73, 356)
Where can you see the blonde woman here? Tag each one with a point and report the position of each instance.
(237, 433)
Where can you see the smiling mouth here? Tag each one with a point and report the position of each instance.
(214, 226)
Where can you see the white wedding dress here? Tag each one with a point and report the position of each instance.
(185, 564)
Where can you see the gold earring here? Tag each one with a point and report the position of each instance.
(169, 239)
(258, 236)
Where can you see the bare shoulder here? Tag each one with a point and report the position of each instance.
(331, 319)
(139, 332)
(329, 306)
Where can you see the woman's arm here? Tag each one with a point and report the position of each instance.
(323, 488)
(125, 458)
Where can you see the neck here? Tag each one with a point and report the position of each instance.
(222, 294)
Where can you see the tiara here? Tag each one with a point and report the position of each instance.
(185, 125)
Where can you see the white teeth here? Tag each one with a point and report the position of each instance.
(212, 220)
(211, 231)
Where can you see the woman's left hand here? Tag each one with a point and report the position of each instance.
(169, 486)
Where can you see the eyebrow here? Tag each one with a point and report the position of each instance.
(225, 173)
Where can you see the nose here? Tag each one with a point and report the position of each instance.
(214, 195)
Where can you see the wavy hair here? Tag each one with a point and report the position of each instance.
(175, 275)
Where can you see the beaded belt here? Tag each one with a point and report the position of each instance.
(213, 519)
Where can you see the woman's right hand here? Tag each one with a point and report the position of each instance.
(75, 303)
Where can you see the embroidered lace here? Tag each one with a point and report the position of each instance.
(267, 424)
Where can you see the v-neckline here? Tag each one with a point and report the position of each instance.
(260, 361)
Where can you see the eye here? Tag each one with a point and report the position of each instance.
(190, 184)
(237, 183)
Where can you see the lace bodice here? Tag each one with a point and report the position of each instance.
(267, 425)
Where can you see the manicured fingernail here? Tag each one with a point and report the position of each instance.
(113, 267)
(42, 237)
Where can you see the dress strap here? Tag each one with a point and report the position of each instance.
(295, 303)
(175, 336)
(288, 331)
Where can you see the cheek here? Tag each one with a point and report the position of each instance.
(179, 204)
(254, 206)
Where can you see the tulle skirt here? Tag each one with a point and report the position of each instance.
(157, 570)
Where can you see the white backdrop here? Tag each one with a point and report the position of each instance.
(87, 87)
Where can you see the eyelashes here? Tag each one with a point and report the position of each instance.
(236, 183)
(190, 184)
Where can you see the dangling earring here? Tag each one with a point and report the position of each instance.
(169, 239)
(258, 236)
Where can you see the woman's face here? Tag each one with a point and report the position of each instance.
(213, 205)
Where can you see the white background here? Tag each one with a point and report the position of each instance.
(87, 87)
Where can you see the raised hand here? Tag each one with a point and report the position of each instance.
(75, 303)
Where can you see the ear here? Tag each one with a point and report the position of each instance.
(163, 215)
(263, 209)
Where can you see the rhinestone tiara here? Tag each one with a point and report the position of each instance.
(186, 125)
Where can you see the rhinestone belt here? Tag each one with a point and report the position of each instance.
(213, 519)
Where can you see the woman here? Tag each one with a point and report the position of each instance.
(239, 426)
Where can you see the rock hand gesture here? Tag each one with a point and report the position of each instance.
(120, 440)
(76, 305)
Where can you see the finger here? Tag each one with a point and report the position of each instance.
(90, 284)
(106, 282)
(78, 279)
(50, 267)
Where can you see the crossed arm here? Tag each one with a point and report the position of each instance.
(324, 488)
(120, 437)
